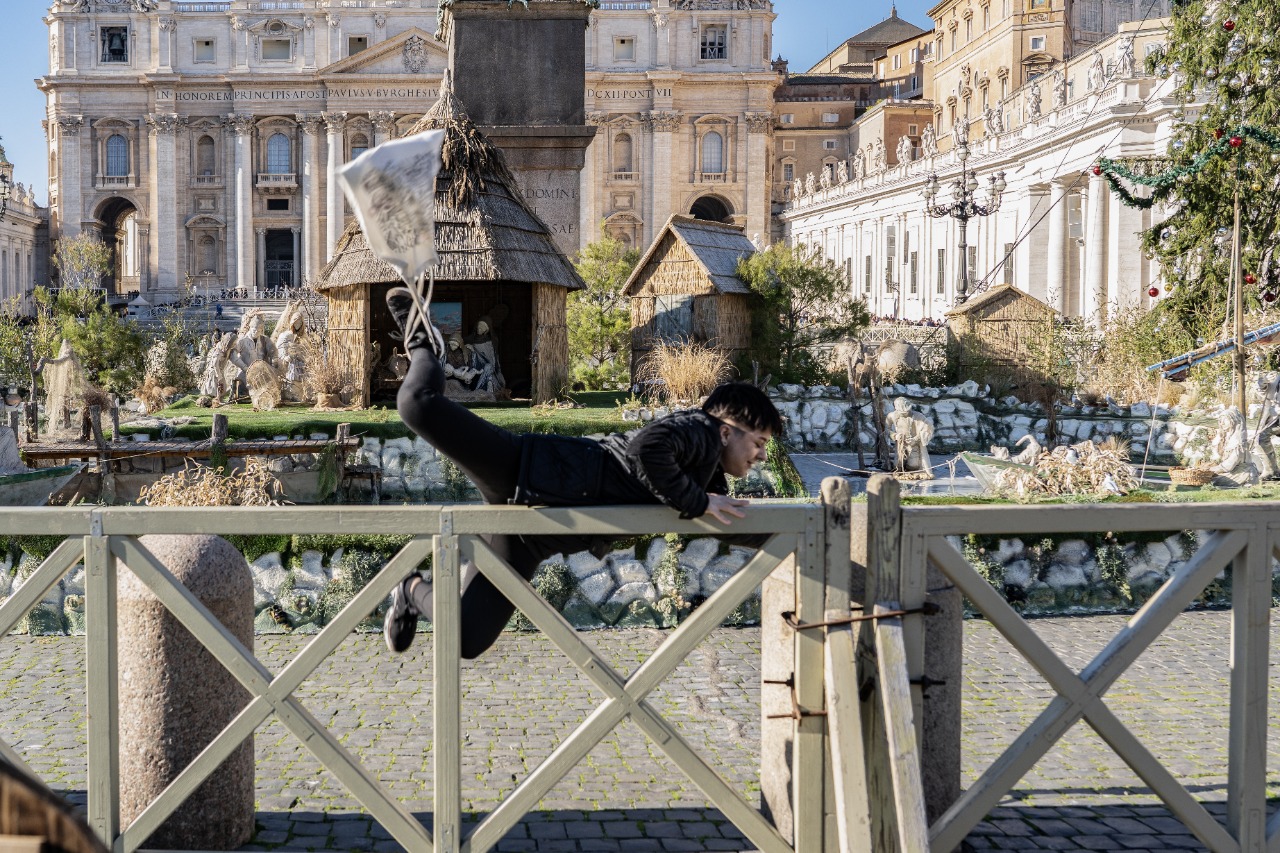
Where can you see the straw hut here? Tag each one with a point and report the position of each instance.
(995, 334)
(497, 262)
(686, 287)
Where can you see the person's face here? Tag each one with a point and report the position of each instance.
(742, 448)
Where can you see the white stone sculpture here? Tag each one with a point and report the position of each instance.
(1097, 76)
(906, 151)
(910, 433)
(842, 172)
(1234, 466)
(1059, 89)
(1033, 102)
(1126, 65)
(929, 141)
(880, 158)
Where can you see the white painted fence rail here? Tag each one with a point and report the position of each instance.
(106, 537)
(1245, 537)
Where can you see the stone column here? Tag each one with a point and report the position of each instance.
(334, 208)
(595, 171)
(262, 259)
(665, 125)
(661, 38)
(1095, 252)
(310, 260)
(71, 174)
(1055, 263)
(759, 129)
(1124, 285)
(164, 196)
(384, 126)
(297, 256)
(242, 125)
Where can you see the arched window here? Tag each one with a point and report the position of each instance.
(117, 156)
(205, 164)
(279, 155)
(359, 145)
(208, 254)
(713, 153)
(622, 153)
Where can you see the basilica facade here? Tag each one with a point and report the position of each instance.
(200, 139)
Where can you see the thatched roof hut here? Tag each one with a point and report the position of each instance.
(996, 334)
(497, 262)
(686, 287)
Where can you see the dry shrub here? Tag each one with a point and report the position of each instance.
(153, 396)
(324, 374)
(1077, 469)
(264, 385)
(685, 371)
(197, 485)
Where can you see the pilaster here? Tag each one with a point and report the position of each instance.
(1056, 255)
(309, 260)
(71, 175)
(334, 124)
(242, 126)
(164, 195)
(1095, 255)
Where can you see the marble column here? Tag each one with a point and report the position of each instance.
(242, 125)
(309, 261)
(262, 258)
(759, 129)
(297, 256)
(1095, 252)
(71, 174)
(334, 208)
(1056, 260)
(164, 201)
(1125, 287)
(665, 125)
(384, 126)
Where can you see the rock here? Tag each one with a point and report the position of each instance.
(698, 553)
(1018, 573)
(280, 465)
(719, 571)
(631, 592)
(583, 564)
(1009, 550)
(268, 575)
(1062, 575)
(1140, 410)
(310, 575)
(818, 418)
(791, 390)
(968, 389)
(598, 587)
(1072, 552)
(630, 571)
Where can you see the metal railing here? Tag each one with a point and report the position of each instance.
(105, 537)
(905, 541)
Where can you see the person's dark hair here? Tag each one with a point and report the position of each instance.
(745, 405)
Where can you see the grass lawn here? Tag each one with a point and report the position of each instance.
(600, 413)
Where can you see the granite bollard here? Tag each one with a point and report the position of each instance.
(175, 697)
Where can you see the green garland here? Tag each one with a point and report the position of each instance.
(1115, 170)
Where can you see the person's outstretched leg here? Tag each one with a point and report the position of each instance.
(490, 457)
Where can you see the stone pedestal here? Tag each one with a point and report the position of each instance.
(521, 74)
(175, 697)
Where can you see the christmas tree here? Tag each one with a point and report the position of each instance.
(1221, 62)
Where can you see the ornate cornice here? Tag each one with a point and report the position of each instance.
(596, 119)
(663, 121)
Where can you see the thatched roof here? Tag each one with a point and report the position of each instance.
(716, 246)
(484, 231)
(995, 294)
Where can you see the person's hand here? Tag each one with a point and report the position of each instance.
(721, 507)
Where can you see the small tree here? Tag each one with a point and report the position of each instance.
(599, 318)
(82, 261)
(804, 301)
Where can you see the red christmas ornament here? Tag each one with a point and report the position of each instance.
(1250, 278)
(1097, 170)
(1268, 297)
(1235, 141)
(1217, 134)
(1228, 25)
(1153, 292)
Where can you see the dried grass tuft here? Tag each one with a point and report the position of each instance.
(325, 375)
(154, 396)
(197, 485)
(1077, 469)
(686, 371)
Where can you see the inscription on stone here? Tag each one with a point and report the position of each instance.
(553, 194)
(628, 94)
(243, 95)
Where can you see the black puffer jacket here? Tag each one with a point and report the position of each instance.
(675, 460)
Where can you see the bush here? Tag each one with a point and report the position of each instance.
(685, 372)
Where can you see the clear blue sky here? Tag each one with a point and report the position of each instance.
(803, 33)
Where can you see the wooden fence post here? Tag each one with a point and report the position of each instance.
(884, 537)
(33, 421)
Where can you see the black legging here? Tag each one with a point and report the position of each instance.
(490, 457)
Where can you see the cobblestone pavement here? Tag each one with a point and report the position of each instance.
(523, 697)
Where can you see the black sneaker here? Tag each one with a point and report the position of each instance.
(400, 304)
(401, 622)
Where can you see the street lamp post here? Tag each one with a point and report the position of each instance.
(963, 205)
